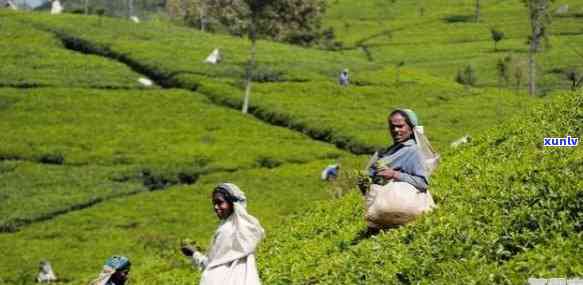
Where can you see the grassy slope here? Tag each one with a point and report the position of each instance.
(304, 94)
(508, 209)
(437, 44)
(117, 139)
(35, 58)
(149, 226)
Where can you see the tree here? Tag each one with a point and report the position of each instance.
(540, 20)
(295, 21)
(130, 8)
(573, 75)
(518, 76)
(496, 37)
(503, 70)
(467, 76)
(398, 71)
(477, 11)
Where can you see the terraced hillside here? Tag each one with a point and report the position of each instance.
(34, 58)
(295, 86)
(442, 37)
(509, 209)
(92, 163)
(79, 146)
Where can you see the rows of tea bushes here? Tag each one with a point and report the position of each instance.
(150, 128)
(149, 226)
(441, 36)
(32, 191)
(177, 50)
(355, 117)
(31, 58)
(352, 118)
(65, 148)
(509, 209)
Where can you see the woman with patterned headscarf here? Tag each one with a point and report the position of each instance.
(231, 258)
(115, 271)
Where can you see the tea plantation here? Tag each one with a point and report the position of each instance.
(509, 209)
(93, 163)
(32, 58)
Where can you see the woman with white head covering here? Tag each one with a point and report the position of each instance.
(396, 187)
(231, 258)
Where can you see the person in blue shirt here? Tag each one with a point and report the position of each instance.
(401, 161)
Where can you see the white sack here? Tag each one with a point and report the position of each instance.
(396, 203)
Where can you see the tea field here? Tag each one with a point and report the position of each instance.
(35, 58)
(86, 144)
(93, 163)
(295, 86)
(508, 210)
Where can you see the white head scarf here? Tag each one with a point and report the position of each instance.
(240, 233)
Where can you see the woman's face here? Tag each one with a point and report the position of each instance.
(399, 129)
(222, 208)
(120, 277)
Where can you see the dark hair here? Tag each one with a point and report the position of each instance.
(228, 196)
(402, 113)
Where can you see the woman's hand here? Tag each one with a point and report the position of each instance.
(187, 251)
(388, 173)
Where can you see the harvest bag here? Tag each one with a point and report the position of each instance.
(395, 203)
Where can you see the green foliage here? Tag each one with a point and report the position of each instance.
(467, 76)
(503, 67)
(496, 37)
(507, 205)
(430, 44)
(90, 145)
(152, 129)
(32, 58)
(304, 96)
(149, 227)
(509, 209)
(32, 192)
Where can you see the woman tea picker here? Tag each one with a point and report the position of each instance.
(395, 187)
(231, 258)
(115, 271)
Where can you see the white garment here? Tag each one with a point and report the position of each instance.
(56, 8)
(231, 258)
(430, 157)
(215, 57)
(46, 274)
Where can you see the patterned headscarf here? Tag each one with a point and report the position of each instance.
(118, 262)
(113, 264)
(410, 115)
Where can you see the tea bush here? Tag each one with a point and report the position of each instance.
(32, 58)
(305, 96)
(149, 226)
(509, 209)
(75, 147)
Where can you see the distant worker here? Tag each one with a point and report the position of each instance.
(56, 7)
(330, 172)
(231, 257)
(45, 274)
(398, 177)
(215, 57)
(343, 78)
(115, 271)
